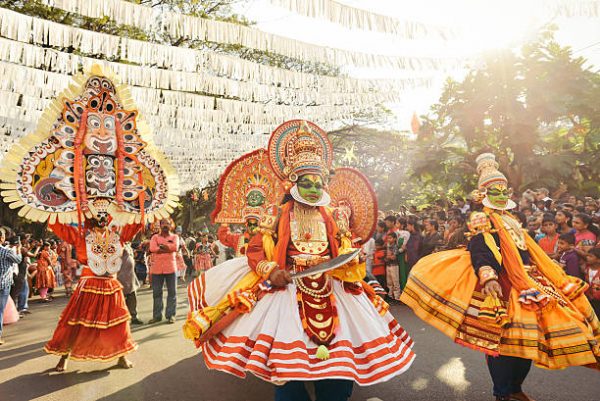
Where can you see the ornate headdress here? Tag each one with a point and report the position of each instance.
(487, 168)
(299, 147)
(246, 188)
(352, 194)
(90, 156)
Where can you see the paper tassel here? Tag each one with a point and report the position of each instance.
(20, 27)
(197, 28)
(355, 18)
(67, 63)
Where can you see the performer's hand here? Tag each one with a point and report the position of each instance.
(492, 287)
(280, 278)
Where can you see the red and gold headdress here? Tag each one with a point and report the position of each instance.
(90, 156)
(352, 195)
(246, 188)
(299, 147)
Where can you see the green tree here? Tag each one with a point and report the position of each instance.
(537, 110)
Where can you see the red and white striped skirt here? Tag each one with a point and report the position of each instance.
(271, 343)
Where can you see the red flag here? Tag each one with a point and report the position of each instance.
(415, 124)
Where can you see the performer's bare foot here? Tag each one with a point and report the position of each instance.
(62, 364)
(124, 363)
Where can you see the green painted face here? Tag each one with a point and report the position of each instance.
(255, 198)
(310, 187)
(251, 226)
(498, 195)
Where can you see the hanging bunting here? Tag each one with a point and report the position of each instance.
(197, 28)
(356, 18)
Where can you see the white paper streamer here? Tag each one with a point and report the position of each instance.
(68, 63)
(196, 28)
(356, 18)
(28, 29)
(200, 140)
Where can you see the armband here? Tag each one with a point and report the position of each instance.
(486, 274)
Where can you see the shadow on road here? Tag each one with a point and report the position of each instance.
(34, 385)
(189, 380)
(10, 358)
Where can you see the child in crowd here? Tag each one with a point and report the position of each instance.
(549, 242)
(563, 221)
(368, 250)
(392, 270)
(45, 274)
(592, 277)
(568, 256)
(379, 261)
(204, 254)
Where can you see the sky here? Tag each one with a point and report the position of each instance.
(482, 26)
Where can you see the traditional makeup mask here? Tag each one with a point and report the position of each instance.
(310, 187)
(499, 195)
(100, 176)
(251, 226)
(255, 198)
(101, 134)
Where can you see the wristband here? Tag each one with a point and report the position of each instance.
(486, 274)
(264, 268)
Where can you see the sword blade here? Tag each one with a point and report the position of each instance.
(328, 265)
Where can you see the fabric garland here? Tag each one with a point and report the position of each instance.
(196, 28)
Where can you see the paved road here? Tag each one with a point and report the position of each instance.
(168, 367)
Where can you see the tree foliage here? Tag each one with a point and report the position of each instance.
(537, 110)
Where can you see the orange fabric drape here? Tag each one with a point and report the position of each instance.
(511, 259)
(283, 235)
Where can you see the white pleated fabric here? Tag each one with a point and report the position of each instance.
(270, 342)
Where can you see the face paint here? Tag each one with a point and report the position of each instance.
(499, 195)
(251, 226)
(310, 187)
(255, 198)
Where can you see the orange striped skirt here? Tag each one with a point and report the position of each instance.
(443, 290)
(95, 323)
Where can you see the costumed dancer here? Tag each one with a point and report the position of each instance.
(246, 188)
(504, 296)
(340, 331)
(90, 171)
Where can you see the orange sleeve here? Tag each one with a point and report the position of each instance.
(129, 231)
(64, 232)
(227, 238)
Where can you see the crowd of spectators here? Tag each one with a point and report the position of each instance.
(567, 228)
(33, 269)
(30, 267)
